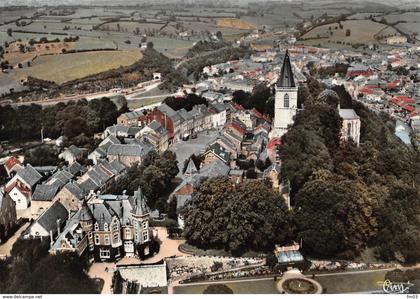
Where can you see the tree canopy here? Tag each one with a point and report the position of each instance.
(154, 176)
(31, 270)
(77, 121)
(236, 218)
(348, 198)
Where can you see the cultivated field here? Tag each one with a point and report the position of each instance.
(235, 23)
(361, 31)
(67, 67)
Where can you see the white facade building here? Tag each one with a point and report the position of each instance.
(285, 107)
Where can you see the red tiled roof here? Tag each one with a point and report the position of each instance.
(405, 99)
(239, 107)
(237, 127)
(257, 113)
(22, 189)
(273, 143)
(11, 162)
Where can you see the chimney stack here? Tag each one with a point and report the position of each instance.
(58, 227)
(51, 238)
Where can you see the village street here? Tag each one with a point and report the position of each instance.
(6, 248)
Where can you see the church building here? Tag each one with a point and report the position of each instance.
(285, 107)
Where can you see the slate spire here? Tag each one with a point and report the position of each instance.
(286, 78)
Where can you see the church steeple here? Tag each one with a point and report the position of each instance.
(285, 106)
(286, 78)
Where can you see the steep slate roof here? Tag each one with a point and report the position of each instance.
(29, 175)
(157, 127)
(286, 78)
(59, 179)
(219, 150)
(348, 114)
(48, 220)
(215, 169)
(85, 214)
(139, 203)
(44, 192)
(109, 140)
(134, 150)
(133, 114)
(75, 190)
(191, 168)
(75, 168)
(74, 150)
(88, 185)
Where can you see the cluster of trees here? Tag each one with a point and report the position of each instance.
(326, 72)
(347, 198)
(261, 99)
(76, 121)
(218, 289)
(236, 218)
(31, 270)
(203, 46)
(44, 155)
(195, 66)
(187, 102)
(154, 176)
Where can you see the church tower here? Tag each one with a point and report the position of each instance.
(285, 106)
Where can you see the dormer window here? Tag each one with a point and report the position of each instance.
(106, 226)
(96, 226)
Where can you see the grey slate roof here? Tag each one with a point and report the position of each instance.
(286, 78)
(215, 169)
(220, 151)
(139, 203)
(75, 190)
(45, 192)
(85, 214)
(157, 127)
(133, 150)
(191, 168)
(117, 166)
(60, 178)
(48, 220)
(348, 114)
(74, 150)
(75, 168)
(133, 114)
(109, 140)
(29, 175)
(88, 185)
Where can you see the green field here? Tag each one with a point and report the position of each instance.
(362, 31)
(67, 67)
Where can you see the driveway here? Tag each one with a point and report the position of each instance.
(98, 270)
(168, 248)
(6, 248)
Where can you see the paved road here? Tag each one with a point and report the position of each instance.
(184, 149)
(6, 248)
(97, 270)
